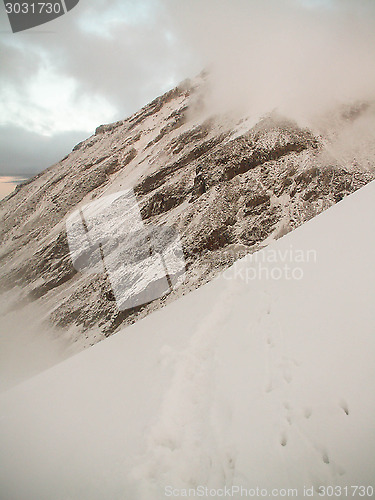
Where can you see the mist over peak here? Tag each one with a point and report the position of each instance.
(301, 58)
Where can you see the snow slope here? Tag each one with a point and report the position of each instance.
(265, 384)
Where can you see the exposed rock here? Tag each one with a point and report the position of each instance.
(226, 188)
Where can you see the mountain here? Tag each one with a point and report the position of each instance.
(256, 383)
(228, 184)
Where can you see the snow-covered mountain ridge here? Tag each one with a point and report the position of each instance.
(229, 185)
(268, 384)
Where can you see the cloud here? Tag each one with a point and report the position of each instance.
(24, 152)
(118, 51)
(298, 56)
(106, 58)
(49, 104)
(97, 64)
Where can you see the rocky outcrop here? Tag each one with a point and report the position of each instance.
(222, 185)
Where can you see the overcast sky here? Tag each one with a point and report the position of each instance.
(106, 58)
(98, 63)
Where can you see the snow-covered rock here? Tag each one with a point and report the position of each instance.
(229, 185)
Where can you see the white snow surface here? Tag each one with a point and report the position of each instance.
(266, 384)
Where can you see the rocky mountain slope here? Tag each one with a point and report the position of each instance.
(229, 185)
